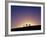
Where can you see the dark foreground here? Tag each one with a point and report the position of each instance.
(38, 27)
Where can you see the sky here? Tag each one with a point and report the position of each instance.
(22, 15)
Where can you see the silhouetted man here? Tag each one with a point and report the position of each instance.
(29, 24)
(26, 25)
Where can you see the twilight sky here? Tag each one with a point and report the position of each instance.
(22, 15)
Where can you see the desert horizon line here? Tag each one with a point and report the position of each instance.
(25, 26)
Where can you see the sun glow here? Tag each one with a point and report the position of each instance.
(24, 22)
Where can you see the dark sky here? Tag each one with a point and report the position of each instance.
(21, 15)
